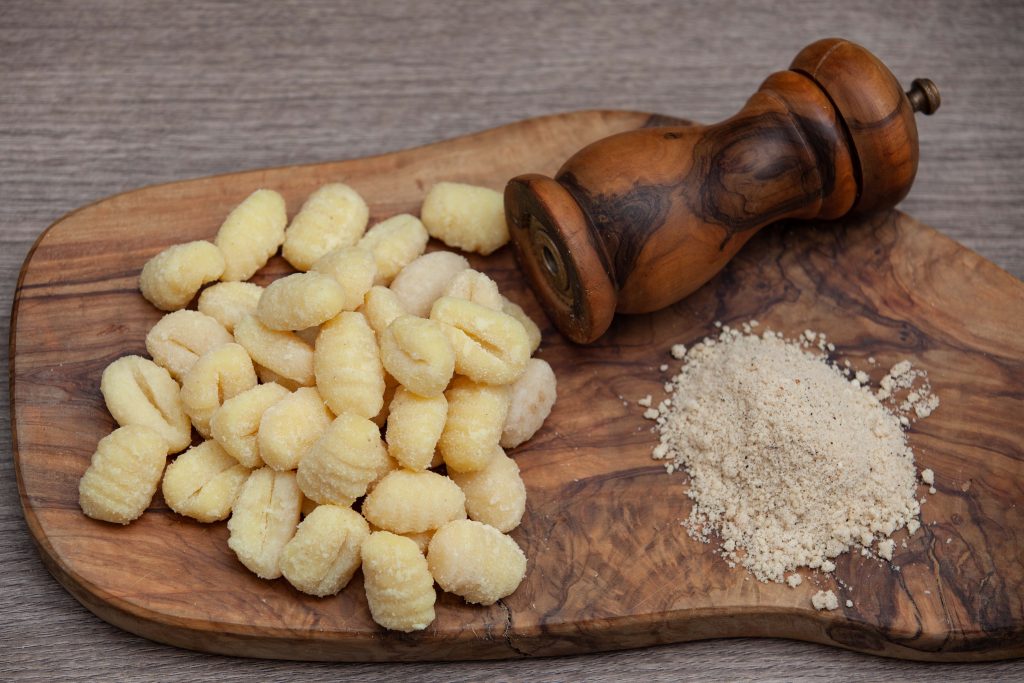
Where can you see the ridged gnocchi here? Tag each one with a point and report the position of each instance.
(235, 425)
(354, 268)
(290, 426)
(417, 353)
(476, 561)
(177, 340)
(476, 416)
(172, 278)
(406, 502)
(137, 391)
(489, 345)
(263, 520)
(394, 243)
(468, 217)
(300, 300)
(399, 586)
(326, 550)
(472, 285)
(333, 216)
(343, 462)
(203, 482)
(251, 234)
(414, 427)
(229, 302)
(221, 373)
(423, 281)
(531, 398)
(495, 495)
(123, 474)
(281, 352)
(347, 366)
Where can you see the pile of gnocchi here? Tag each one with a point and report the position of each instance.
(353, 414)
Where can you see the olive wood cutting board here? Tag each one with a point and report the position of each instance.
(609, 564)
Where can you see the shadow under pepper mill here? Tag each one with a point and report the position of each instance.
(637, 221)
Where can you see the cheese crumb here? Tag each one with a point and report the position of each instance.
(645, 401)
(678, 351)
(825, 600)
(651, 414)
(849, 603)
(794, 580)
(663, 367)
(928, 476)
(885, 549)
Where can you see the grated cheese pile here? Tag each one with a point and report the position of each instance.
(791, 460)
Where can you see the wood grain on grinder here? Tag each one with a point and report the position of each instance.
(610, 567)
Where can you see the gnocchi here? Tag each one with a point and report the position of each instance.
(251, 234)
(398, 584)
(406, 502)
(472, 285)
(333, 216)
(423, 281)
(178, 339)
(414, 426)
(354, 269)
(221, 373)
(229, 302)
(476, 416)
(495, 495)
(394, 244)
(123, 474)
(476, 561)
(490, 346)
(380, 308)
(347, 366)
(281, 352)
(516, 311)
(172, 278)
(137, 391)
(263, 520)
(326, 550)
(468, 217)
(417, 353)
(300, 300)
(289, 427)
(342, 463)
(203, 482)
(532, 397)
(235, 425)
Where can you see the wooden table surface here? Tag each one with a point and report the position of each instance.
(101, 97)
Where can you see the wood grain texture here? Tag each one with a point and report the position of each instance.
(102, 97)
(610, 565)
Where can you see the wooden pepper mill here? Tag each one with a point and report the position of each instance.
(639, 220)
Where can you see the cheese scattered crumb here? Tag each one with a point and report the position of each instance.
(794, 580)
(825, 600)
(678, 351)
(645, 401)
(651, 414)
(663, 367)
(849, 603)
(928, 476)
(885, 549)
(931, 490)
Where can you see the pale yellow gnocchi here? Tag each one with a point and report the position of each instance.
(290, 426)
(398, 584)
(490, 346)
(123, 474)
(235, 425)
(354, 268)
(281, 352)
(417, 353)
(172, 278)
(472, 285)
(203, 482)
(251, 234)
(263, 520)
(347, 366)
(221, 373)
(476, 561)
(516, 311)
(423, 281)
(476, 416)
(532, 397)
(137, 391)
(229, 302)
(299, 301)
(343, 462)
(381, 307)
(414, 427)
(333, 216)
(468, 217)
(178, 339)
(495, 495)
(394, 244)
(406, 502)
(326, 550)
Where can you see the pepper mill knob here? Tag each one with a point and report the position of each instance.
(636, 221)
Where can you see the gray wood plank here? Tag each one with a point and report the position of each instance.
(100, 97)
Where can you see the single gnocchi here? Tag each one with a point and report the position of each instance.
(398, 584)
(326, 550)
(394, 243)
(263, 520)
(406, 502)
(347, 366)
(251, 234)
(495, 495)
(476, 416)
(423, 281)
(235, 425)
(354, 269)
(472, 285)
(476, 561)
(229, 302)
(380, 307)
(137, 391)
(468, 217)
(300, 300)
(414, 427)
(178, 339)
(343, 462)
(516, 311)
(221, 373)
(172, 278)
(203, 482)
(123, 474)
(417, 353)
(489, 345)
(333, 216)
(289, 427)
(281, 352)
(532, 397)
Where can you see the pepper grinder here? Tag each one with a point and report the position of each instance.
(637, 221)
